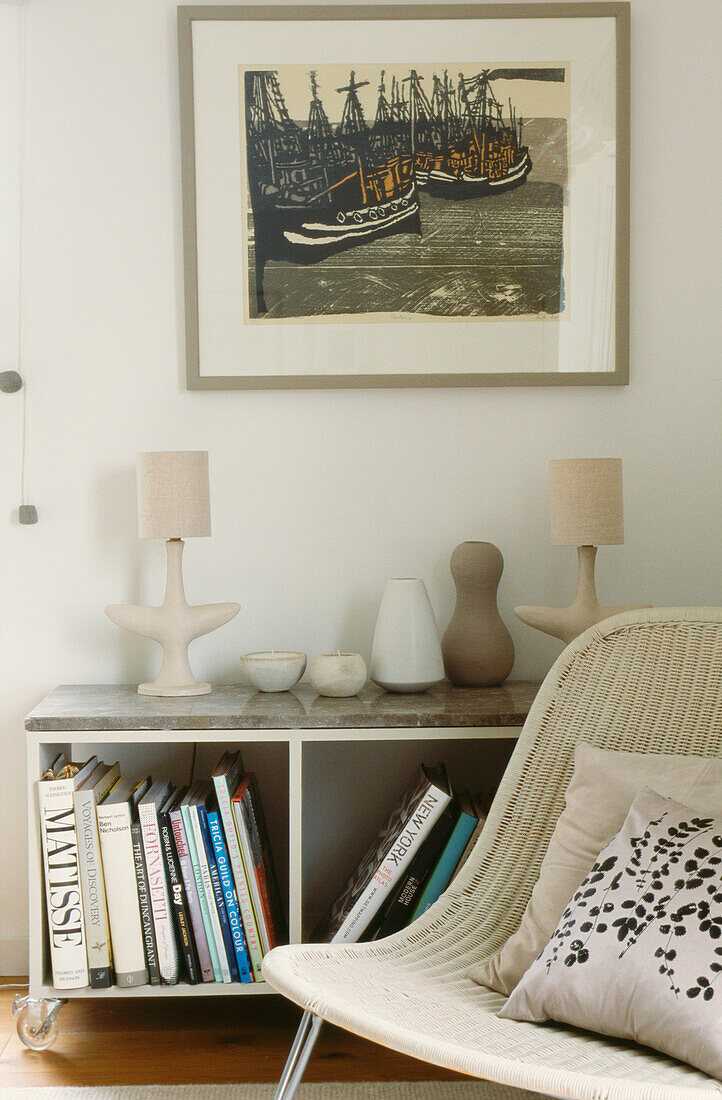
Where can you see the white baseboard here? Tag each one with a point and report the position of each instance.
(13, 955)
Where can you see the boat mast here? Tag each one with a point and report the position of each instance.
(383, 110)
(385, 133)
(321, 143)
(272, 129)
(485, 89)
(470, 113)
(352, 120)
(398, 100)
(420, 110)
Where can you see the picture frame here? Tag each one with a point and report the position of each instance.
(528, 285)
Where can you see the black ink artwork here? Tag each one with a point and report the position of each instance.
(448, 203)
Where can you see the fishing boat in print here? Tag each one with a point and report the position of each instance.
(322, 189)
(371, 189)
(463, 146)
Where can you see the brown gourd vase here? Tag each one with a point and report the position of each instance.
(477, 648)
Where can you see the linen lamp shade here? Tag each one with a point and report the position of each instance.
(586, 501)
(173, 495)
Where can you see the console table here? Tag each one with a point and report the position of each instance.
(329, 770)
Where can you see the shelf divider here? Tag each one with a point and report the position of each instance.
(295, 840)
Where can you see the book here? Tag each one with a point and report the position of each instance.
(146, 909)
(63, 890)
(189, 880)
(440, 877)
(397, 913)
(176, 887)
(388, 858)
(204, 804)
(168, 957)
(213, 928)
(481, 805)
(185, 808)
(258, 862)
(227, 776)
(230, 897)
(116, 814)
(95, 909)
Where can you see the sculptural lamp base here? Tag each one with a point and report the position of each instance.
(173, 625)
(568, 623)
(170, 691)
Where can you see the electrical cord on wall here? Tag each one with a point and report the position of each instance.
(12, 381)
(28, 512)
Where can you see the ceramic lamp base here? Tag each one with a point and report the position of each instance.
(585, 610)
(170, 692)
(173, 625)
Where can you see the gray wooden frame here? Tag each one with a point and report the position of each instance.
(620, 11)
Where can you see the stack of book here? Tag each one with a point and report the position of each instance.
(149, 883)
(416, 855)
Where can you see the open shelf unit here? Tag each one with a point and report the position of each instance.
(325, 791)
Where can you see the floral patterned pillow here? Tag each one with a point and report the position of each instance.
(637, 952)
(601, 791)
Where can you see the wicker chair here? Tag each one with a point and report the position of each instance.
(645, 681)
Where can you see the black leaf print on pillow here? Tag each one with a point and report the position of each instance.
(666, 864)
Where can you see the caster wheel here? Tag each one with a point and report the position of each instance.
(36, 1035)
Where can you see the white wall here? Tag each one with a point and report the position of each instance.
(319, 496)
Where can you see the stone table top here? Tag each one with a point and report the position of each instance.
(88, 707)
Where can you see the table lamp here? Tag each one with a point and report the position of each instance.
(173, 504)
(586, 512)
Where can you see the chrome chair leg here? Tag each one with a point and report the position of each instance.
(304, 1056)
(298, 1056)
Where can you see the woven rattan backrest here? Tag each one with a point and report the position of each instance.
(644, 681)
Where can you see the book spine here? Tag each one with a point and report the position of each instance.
(179, 903)
(214, 920)
(218, 895)
(268, 881)
(268, 907)
(250, 869)
(398, 857)
(469, 847)
(188, 820)
(194, 905)
(401, 905)
(230, 898)
(121, 889)
(63, 890)
(95, 909)
(444, 869)
(250, 925)
(168, 960)
(146, 912)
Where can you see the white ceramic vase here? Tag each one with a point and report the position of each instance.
(406, 653)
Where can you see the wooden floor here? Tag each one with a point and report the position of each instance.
(186, 1041)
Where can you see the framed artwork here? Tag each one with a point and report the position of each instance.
(405, 195)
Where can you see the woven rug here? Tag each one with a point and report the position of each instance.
(397, 1090)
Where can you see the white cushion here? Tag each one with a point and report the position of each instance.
(638, 950)
(598, 798)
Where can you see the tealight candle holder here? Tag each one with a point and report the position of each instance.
(338, 675)
(278, 670)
